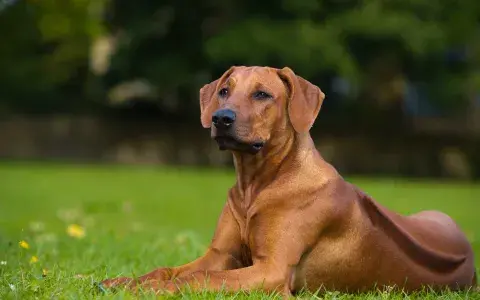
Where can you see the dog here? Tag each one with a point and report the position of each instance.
(291, 222)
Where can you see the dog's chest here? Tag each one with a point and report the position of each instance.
(244, 223)
(242, 214)
(244, 220)
(246, 255)
(245, 246)
(246, 213)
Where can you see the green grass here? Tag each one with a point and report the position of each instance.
(139, 218)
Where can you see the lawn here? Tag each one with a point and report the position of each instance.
(86, 223)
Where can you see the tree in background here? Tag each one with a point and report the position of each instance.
(44, 53)
(375, 51)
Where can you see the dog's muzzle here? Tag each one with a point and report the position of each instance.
(224, 122)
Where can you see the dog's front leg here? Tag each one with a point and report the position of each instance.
(278, 240)
(222, 254)
(265, 276)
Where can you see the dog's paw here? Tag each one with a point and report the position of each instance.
(119, 282)
(157, 287)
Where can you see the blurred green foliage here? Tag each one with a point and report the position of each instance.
(45, 49)
(176, 46)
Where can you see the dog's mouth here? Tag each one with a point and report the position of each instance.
(234, 144)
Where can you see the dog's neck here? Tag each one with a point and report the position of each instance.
(255, 172)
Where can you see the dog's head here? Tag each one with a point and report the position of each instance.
(246, 106)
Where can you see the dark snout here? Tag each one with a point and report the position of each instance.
(224, 132)
(223, 118)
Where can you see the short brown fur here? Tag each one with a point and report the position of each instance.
(291, 222)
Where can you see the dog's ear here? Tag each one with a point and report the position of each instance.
(305, 100)
(208, 99)
(207, 103)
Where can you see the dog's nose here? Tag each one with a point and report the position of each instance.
(223, 118)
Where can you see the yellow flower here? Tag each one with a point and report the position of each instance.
(76, 231)
(33, 259)
(24, 245)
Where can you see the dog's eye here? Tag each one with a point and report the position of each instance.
(223, 92)
(261, 95)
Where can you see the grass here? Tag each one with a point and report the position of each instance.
(138, 218)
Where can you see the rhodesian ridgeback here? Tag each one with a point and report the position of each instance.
(291, 222)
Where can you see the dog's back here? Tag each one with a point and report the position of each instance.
(387, 248)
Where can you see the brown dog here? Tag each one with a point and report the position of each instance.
(291, 221)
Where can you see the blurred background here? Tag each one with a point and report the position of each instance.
(117, 81)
